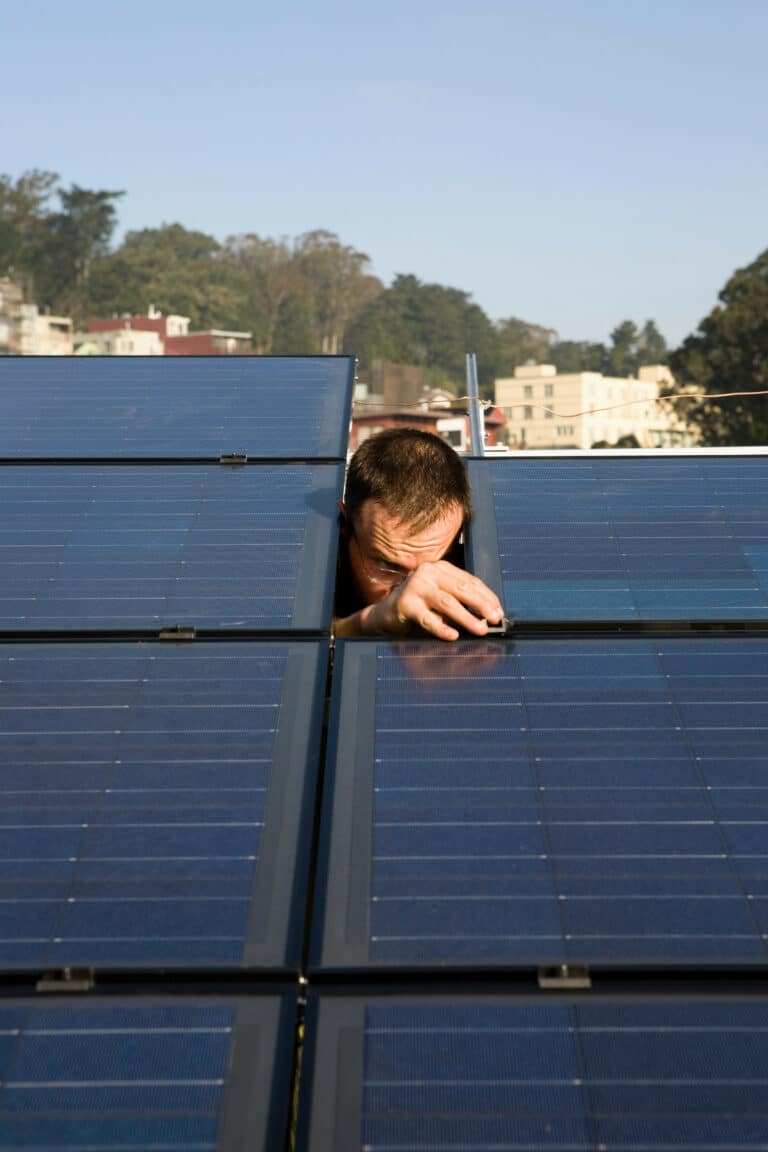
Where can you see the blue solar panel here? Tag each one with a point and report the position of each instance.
(165, 406)
(547, 801)
(159, 1074)
(155, 803)
(139, 547)
(428, 1074)
(681, 538)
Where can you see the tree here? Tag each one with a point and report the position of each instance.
(428, 325)
(338, 282)
(729, 353)
(628, 441)
(181, 272)
(652, 347)
(271, 280)
(68, 243)
(521, 343)
(301, 297)
(623, 354)
(579, 356)
(23, 211)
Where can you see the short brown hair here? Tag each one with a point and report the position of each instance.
(413, 474)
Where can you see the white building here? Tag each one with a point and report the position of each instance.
(119, 342)
(42, 335)
(578, 409)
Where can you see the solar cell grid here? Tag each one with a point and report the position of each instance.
(178, 407)
(133, 1076)
(430, 1073)
(137, 547)
(615, 539)
(149, 794)
(603, 802)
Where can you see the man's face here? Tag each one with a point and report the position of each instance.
(383, 550)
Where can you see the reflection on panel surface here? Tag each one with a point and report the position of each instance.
(547, 801)
(139, 547)
(678, 538)
(167, 406)
(142, 1074)
(429, 1074)
(155, 802)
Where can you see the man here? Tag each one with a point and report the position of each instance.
(407, 500)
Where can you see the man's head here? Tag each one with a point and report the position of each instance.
(407, 498)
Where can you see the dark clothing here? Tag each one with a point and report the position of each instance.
(348, 598)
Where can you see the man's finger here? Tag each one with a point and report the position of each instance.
(468, 590)
(437, 626)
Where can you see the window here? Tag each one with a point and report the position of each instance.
(528, 414)
(549, 389)
(565, 429)
(527, 391)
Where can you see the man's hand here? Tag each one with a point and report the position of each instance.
(438, 598)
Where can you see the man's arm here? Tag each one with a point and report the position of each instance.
(439, 598)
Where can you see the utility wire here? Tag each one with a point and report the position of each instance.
(701, 397)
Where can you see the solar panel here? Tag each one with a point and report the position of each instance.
(426, 1074)
(156, 800)
(91, 547)
(63, 407)
(680, 538)
(121, 1074)
(544, 802)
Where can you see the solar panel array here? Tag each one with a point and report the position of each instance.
(163, 1073)
(186, 407)
(549, 801)
(199, 798)
(88, 548)
(168, 534)
(157, 802)
(423, 1072)
(652, 538)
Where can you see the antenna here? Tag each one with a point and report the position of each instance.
(476, 415)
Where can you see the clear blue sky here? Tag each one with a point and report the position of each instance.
(571, 162)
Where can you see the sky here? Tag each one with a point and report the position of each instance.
(573, 163)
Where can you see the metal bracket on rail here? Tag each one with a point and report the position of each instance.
(177, 632)
(563, 977)
(67, 980)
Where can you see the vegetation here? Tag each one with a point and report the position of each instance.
(729, 353)
(316, 294)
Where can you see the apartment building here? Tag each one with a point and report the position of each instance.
(43, 335)
(25, 331)
(546, 409)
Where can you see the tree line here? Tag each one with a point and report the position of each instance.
(315, 294)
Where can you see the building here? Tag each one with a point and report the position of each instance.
(214, 342)
(173, 334)
(43, 335)
(11, 301)
(437, 411)
(25, 331)
(545, 409)
(119, 342)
